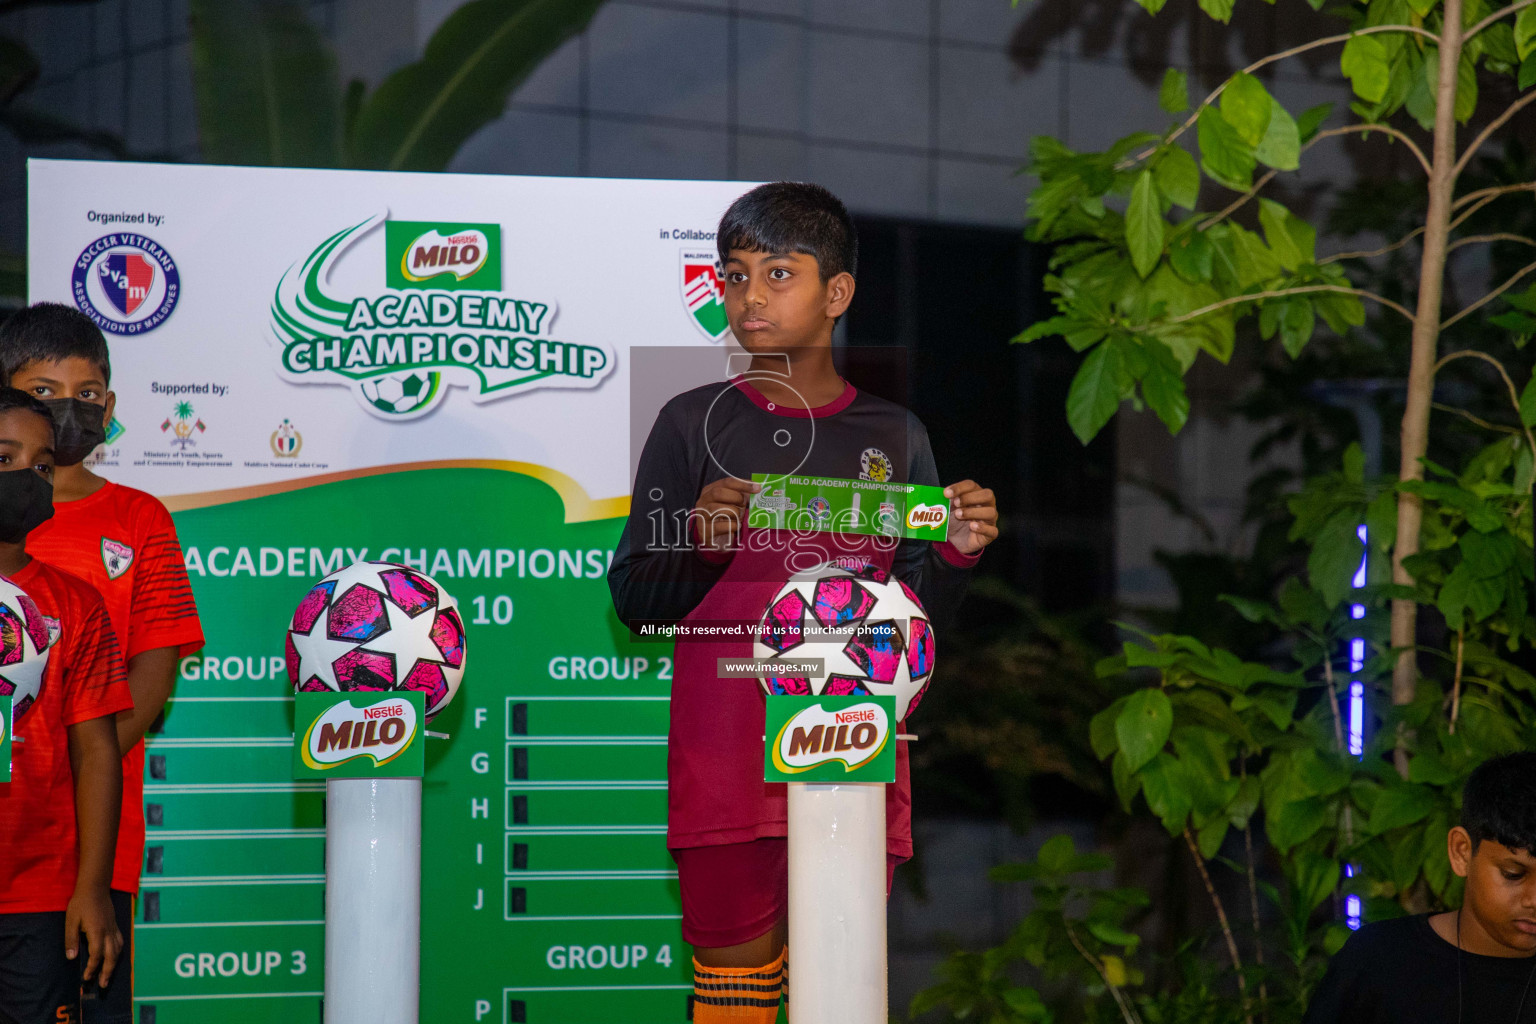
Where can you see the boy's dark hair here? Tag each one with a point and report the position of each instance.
(15, 398)
(792, 216)
(48, 331)
(1499, 802)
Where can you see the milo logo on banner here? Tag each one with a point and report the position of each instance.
(358, 734)
(826, 739)
(5, 737)
(438, 318)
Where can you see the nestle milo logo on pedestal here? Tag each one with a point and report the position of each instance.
(829, 739)
(440, 318)
(358, 734)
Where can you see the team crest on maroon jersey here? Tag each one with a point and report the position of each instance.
(116, 557)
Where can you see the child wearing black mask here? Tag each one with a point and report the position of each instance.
(58, 814)
(123, 543)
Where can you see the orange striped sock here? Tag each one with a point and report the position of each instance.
(737, 995)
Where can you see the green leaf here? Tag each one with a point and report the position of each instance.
(1143, 725)
(1525, 33)
(1528, 394)
(1166, 787)
(1281, 146)
(1255, 262)
(1163, 388)
(1211, 835)
(1095, 392)
(1336, 554)
(1381, 520)
(1313, 877)
(1400, 805)
(1466, 89)
(1057, 855)
(1144, 225)
(1114, 935)
(1310, 122)
(1365, 63)
(420, 116)
(1246, 106)
(1223, 153)
(1173, 96)
(1527, 76)
(1354, 463)
(264, 80)
(1150, 6)
(1127, 783)
(1295, 821)
(1192, 256)
(1297, 323)
(1178, 177)
(1101, 730)
(1221, 10)
(1293, 240)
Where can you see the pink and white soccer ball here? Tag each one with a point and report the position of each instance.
(378, 626)
(881, 641)
(26, 634)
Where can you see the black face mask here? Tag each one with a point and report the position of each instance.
(26, 502)
(77, 429)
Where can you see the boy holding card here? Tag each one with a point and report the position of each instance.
(788, 252)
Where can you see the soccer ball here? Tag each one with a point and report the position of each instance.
(868, 628)
(25, 636)
(378, 626)
(400, 394)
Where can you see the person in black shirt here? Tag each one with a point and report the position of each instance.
(1475, 964)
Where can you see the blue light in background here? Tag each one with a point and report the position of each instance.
(1356, 709)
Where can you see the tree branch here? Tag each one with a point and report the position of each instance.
(1461, 646)
(1282, 292)
(1239, 202)
(1410, 236)
(1114, 990)
(1514, 396)
(1495, 16)
(1493, 192)
(1514, 279)
(1497, 123)
(1478, 420)
(1265, 61)
(1221, 916)
(1502, 236)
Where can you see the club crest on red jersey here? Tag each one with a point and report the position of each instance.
(116, 557)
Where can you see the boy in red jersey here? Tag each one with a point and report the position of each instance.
(58, 814)
(788, 251)
(123, 543)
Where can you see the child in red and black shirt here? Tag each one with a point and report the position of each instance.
(123, 543)
(788, 251)
(58, 814)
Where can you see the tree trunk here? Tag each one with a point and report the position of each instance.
(1426, 336)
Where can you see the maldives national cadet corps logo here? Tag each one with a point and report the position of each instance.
(704, 293)
(126, 283)
(116, 557)
(439, 320)
(286, 441)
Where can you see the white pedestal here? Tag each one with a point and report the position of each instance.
(837, 966)
(372, 901)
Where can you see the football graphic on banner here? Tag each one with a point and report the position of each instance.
(867, 628)
(378, 626)
(25, 636)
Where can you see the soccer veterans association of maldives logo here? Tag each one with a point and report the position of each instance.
(126, 283)
(704, 292)
(440, 319)
(116, 557)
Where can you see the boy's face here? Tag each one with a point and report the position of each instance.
(26, 442)
(71, 377)
(1501, 889)
(777, 301)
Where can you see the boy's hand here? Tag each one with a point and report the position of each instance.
(91, 912)
(716, 516)
(973, 518)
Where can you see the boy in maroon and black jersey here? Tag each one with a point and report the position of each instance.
(788, 251)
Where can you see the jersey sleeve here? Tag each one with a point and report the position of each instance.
(163, 612)
(658, 572)
(939, 573)
(95, 683)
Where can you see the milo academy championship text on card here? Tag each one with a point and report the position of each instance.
(440, 320)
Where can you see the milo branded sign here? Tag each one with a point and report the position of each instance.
(440, 318)
(830, 739)
(358, 734)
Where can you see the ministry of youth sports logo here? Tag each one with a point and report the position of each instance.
(704, 293)
(126, 283)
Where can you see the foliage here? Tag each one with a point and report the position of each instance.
(1243, 756)
(268, 93)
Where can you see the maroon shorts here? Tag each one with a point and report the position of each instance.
(734, 893)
